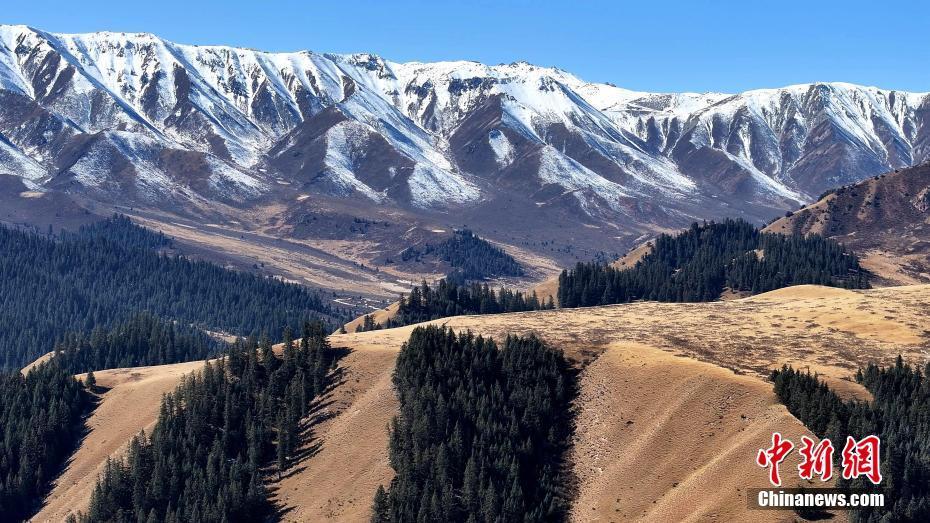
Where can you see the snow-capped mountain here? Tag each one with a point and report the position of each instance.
(118, 116)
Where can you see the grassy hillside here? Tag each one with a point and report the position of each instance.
(657, 380)
(885, 218)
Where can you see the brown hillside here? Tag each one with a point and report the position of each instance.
(547, 289)
(688, 377)
(380, 316)
(886, 219)
(666, 368)
(129, 405)
(658, 464)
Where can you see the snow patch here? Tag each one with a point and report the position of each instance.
(232, 182)
(499, 143)
(15, 162)
(344, 143)
(556, 168)
(431, 187)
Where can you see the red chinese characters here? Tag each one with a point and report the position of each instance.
(774, 455)
(816, 459)
(859, 458)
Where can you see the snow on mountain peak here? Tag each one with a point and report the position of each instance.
(240, 109)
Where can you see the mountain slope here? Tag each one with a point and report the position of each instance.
(134, 118)
(886, 219)
(807, 138)
(130, 404)
(689, 356)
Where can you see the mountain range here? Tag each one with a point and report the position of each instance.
(133, 119)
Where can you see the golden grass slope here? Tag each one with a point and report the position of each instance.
(666, 438)
(339, 481)
(688, 376)
(130, 404)
(380, 316)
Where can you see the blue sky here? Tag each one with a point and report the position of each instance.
(724, 46)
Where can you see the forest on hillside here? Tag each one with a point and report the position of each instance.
(482, 431)
(448, 298)
(471, 257)
(700, 263)
(219, 436)
(899, 413)
(41, 422)
(42, 413)
(140, 341)
(110, 272)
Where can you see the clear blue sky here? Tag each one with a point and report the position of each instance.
(658, 46)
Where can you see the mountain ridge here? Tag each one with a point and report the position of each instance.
(885, 219)
(664, 347)
(133, 119)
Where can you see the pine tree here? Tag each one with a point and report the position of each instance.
(899, 413)
(380, 510)
(448, 298)
(41, 415)
(214, 436)
(699, 263)
(474, 417)
(281, 448)
(471, 257)
(108, 273)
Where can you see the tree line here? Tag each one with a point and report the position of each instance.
(41, 421)
(471, 257)
(448, 298)
(142, 340)
(121, 230)
(217, 435)
(481, 433)
(899, 413)
(700, 263)
(109, 272)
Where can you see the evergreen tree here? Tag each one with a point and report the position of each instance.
(140, 341)
(448, 298)
(699, 263)
(471, 257)
(110, 272)
(899, 413)
(204, 459)
(481, 433)
(42, 420)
